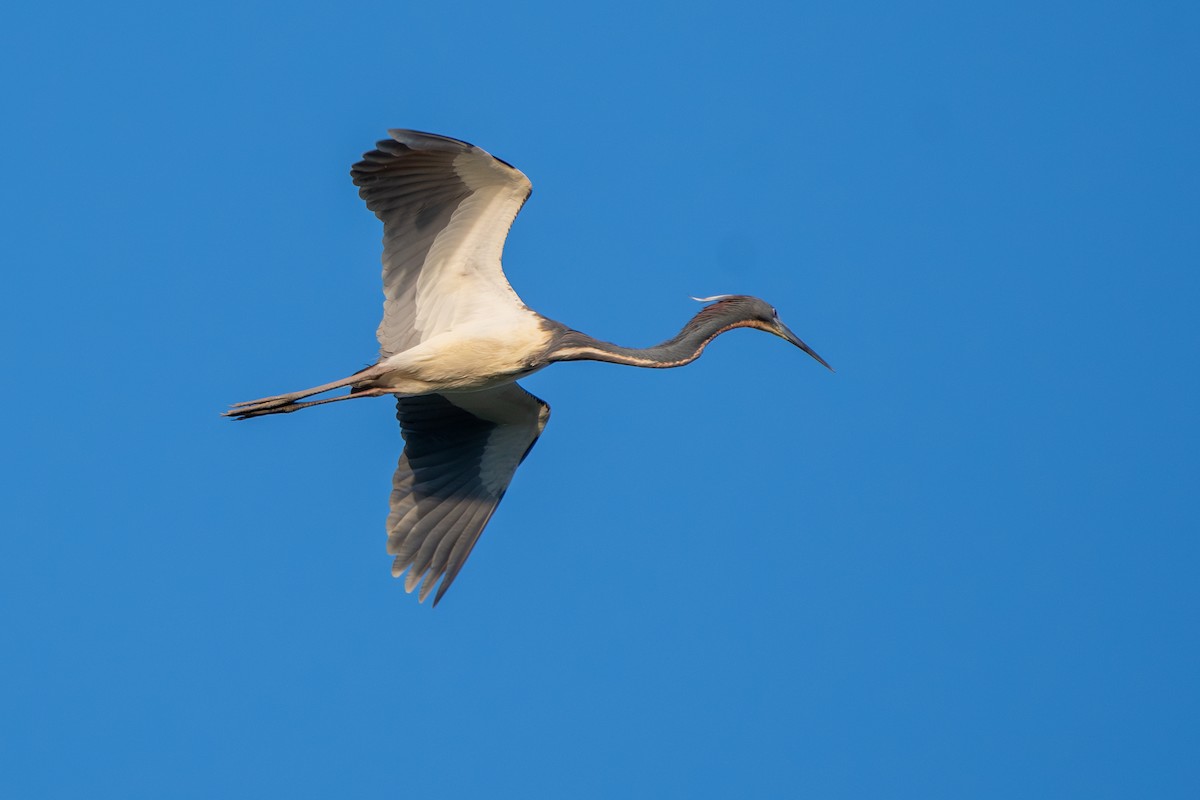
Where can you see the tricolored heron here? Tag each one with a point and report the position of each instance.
(455, 338)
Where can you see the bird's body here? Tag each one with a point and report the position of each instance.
(468, 359)
(455, 338)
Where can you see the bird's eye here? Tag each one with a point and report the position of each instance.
(774, 313)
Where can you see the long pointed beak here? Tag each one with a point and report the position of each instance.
(786, 334)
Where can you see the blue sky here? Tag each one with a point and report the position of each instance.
(963, 566)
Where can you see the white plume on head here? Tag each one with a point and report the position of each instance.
(711, 299)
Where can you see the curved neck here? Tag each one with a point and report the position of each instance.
(684, 348)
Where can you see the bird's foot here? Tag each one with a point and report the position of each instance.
(279, 404)
(273, 400)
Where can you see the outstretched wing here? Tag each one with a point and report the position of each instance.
(446, 208)
(460, 453)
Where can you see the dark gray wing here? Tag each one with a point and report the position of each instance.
(446, 208)
(461, 451)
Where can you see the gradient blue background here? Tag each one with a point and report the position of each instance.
(963, 566)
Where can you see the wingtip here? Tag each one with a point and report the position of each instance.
(437, 598)
(426, 587)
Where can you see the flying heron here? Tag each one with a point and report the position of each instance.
(455, 338)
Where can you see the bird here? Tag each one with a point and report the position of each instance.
(454, 340)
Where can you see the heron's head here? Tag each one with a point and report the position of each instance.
(750, 312)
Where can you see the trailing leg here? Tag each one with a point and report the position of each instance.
(285, 403)
(289, 407)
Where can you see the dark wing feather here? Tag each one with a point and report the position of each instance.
(460, 453)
